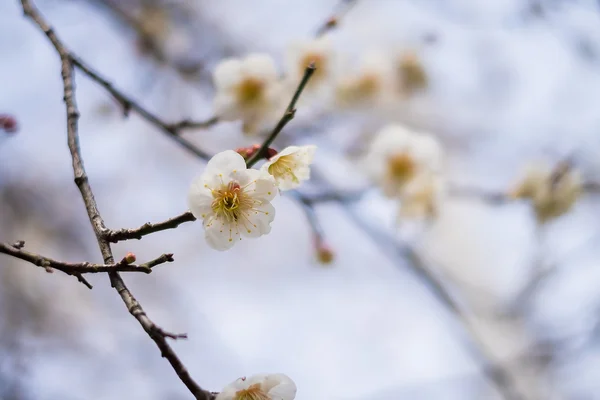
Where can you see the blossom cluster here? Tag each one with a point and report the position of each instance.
(251, 90)
(407, 165)
(234, 201)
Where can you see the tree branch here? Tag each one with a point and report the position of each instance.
(129, 104)
(81, 179)
(288, 115)
(83, 267)
(492, 371)
(148, 228)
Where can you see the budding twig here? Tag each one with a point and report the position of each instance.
(68, 64)
(82, 267)
(288, 115)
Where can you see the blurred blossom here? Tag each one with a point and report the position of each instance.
(301, 54)
(260, 387)
(397, 156)
(291, 166)
(422, 196)
(552, 191)
(411, 74)
(369, 86)
(247, 90)
(232, 201)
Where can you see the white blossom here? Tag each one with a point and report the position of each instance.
(247, 89)
(260, 387)
(398, 155)
(553, 192)
(232, 201)
(301, 54)
(291, 166)
(422, 196)
(371, 85)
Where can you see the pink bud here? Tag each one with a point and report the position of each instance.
(8, 123)
(130, 258)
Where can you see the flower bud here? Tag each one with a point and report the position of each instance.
(129, 258)
(324, 253)
(8, 123)
(271, 152)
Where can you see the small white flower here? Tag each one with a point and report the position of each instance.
(398, 155)
(300, 56)
(232, 201)
(260, 387)
(371, 85)
(422, 196)
(553, 192)
(291, 166)
(247, 89)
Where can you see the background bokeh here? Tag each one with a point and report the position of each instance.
(510, 82)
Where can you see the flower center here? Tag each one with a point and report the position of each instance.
(284, 167)
(401, 167)
(250, 91)
(230, 202)
(254, 392)
(320, 64)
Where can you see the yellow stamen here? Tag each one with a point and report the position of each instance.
(401, 167)
(254, 392)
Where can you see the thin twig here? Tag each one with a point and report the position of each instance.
(129, 104)
(83, 267)
(81, 179)
(334, 20)
(288, 115)
(189, 124)
(148, 228)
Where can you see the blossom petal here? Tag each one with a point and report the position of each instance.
(280, 387)
(261, 185)
(224, 163)
(200, 198)
(227, 73)
(260, 66)
(219, 234)
(257, 222)
(225, 106)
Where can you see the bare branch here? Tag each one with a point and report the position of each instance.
(189, 124)
(83, 267)
(81, 179)
(129, 104)
(148, 228)
(288, 115)
(494, 372)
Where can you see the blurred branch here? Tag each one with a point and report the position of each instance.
(133, 306)
(148, 228)
(491, 370)
(128, 104)
(492, 198)
(189, 124)
(47, 263)
(343, 7)
(288, 115)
